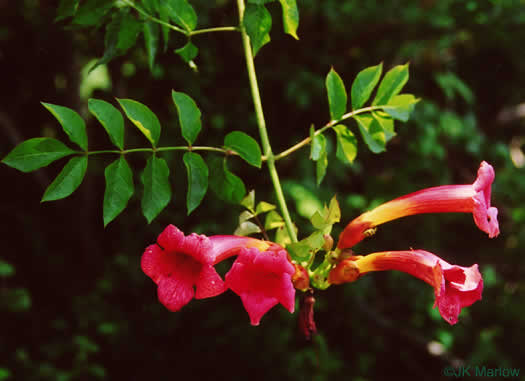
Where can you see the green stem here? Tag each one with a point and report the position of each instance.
(152, 18)
(176, 28)
(265, 141)
(162, 149)
(330, 124)
(216, 29)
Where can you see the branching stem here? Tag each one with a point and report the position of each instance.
(176, 28)
(263, 132)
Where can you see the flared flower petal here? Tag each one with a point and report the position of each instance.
(473, 198)
(262, 279)
(454, 286)
(180, 264)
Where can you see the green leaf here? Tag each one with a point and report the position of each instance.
(391, 84)
(151, 6)
(303, 250)
(319, 155)
(336, 91)
(197, 171)
(273, 221)
(182, 13)
(91, 12)
(245, 216)
(320, 167)
(66, 8)
(227, 186)
(246, 146)
(258, 23)
(110, 118)
(327, 217)
(189, 116)
(142, 117)
(249, 201)
(386, 122)
(157, 190)
(363, 85)
(68, 180)
(346, 144)
(401, 106)
(151, 32)
(119, 189)
(317, 146)
(263, 207)
(247, 228)
(121, 34)
(164, 15)
(71, 123)
(372, 132)
(290, 17)
(188, 52)
(36, 153)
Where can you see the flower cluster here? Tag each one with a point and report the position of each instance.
(263, 274)
(454, 286)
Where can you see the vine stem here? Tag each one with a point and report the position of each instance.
(162, 149)
(330, 124)
(263, 132)
(176, 28)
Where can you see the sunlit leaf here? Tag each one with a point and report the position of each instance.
(110, 118)
(320, 167)
(246, 146)
(36, 153)
(157, 189)
(401, 106)
(346, 144)
(249, 201)
(68, 180)
(290, 17)
(197, 172)
(263, 207)
(73, 125)
(189, 116)
(336, 91)
(119, 189)
(317, 146)
(273, 220)
(245, 216)
(247, 228)
(391, 84)
(303, 250)
(258, 23)
(363, 85)
(372, 132)
(143, 118)
(386, 122)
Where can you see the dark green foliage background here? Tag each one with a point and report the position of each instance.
(78, 306)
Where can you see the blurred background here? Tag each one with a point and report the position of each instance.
(75, 304)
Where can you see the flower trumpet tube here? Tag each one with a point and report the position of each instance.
(454, 286)
(471, 198)
(179, 263)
